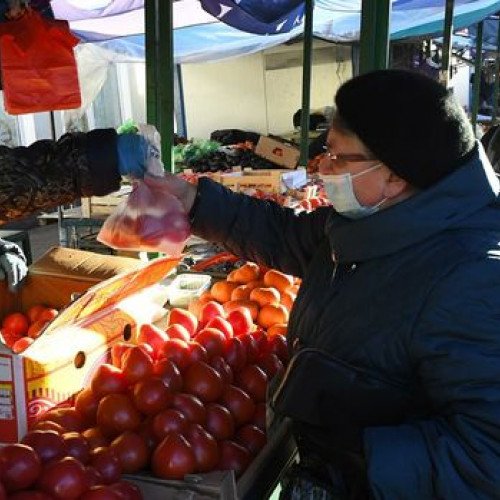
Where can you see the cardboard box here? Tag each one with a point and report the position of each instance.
(102, 206)
(62, 360)
(267, 180)
(281, 153)
(258, 481)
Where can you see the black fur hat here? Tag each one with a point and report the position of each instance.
(408, 121)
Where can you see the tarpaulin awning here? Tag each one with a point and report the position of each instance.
(118, 25)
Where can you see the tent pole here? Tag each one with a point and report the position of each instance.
(444, 74)
(477, 74)
(494, 113)
(306, 82)
(160, 73)
(374, 35)
(179, 109)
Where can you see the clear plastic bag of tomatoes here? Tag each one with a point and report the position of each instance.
(152, 219)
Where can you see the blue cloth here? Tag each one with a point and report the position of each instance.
(132, 152)
(412, 296)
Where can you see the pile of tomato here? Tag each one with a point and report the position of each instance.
(19, 329)
(187, 398)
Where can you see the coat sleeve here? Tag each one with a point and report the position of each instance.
(51, 173)
(456, 348)
(258, 230)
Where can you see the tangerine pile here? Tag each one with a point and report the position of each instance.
(268, 295)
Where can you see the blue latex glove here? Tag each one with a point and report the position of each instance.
(13, 266)
(132, 152)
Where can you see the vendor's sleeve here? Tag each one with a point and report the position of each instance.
(51, 173)
(258, 230)
(456, 347)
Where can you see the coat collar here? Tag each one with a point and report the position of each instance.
(441, 206)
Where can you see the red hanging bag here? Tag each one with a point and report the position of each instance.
(38, 65)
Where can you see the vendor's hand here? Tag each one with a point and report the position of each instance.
(181, 189)
(132, 150)
(13, 268)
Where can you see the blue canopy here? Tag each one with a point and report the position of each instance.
(118, 25)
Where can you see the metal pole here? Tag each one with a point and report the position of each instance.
(374, 35)
(160, 73)
(306, 82)
(444, 74)
(494, 113)
(477, 74)
(179, 109)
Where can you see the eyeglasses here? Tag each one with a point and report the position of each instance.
(346, 158)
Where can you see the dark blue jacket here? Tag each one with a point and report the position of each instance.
(411, 293)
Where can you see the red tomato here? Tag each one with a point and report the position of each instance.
(29, 495)
(117, 352)
(48, 445)
(183, 317)
(20, 466)
(68, 418)
(206, 451)
(22, 344)
(132, 452)
(177, 331)
(17, 323)
(108, 379)
(47, 425)
(34, 312)
(150, 396)
(153, 336)
(76, 446)
(239, 403)
(177, 351)
(235, 354)
(93, 477)
(48, 314)
(270, 364)
(224, 370)
(253, 381)
(219, 323)
(65, 478)
(233, 457)
(128, 491)
(117, 414)
(220, 422)
(95, 438)
(191, 407)
(251, 347)
(107, 465)
(212, 340)
(9, 337)
(86, 405)
(260, 416)
(252, 438)
(241, 321)
(173, 458)
(197, 352)
(170, 375)
(136, 364)
(211, 309)
(100, 492)
(203, 381)
(36, 328)
(169, 421)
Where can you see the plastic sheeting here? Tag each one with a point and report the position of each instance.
(118, 25)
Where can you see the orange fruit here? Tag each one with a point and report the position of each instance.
(279, 280)
(247, 272)
(287, 299)
(255, 284)
(195, 307)
(265, 296)
(277, 329)
(251, 305)
(271, 314)
(205, 297)
(241, 292)
(232, 277)
(221, 291)
(294, 289)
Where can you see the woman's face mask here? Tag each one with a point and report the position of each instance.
(341, 193)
